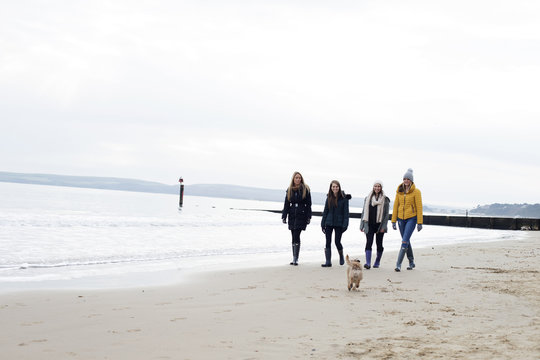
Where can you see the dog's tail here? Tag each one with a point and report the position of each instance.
(347, 259)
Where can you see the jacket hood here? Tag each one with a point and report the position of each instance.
(344, 195)
(410, 191)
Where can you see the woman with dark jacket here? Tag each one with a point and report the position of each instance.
(297, 207)
(335, 218)
(374, 221)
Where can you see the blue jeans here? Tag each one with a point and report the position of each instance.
(406, 228)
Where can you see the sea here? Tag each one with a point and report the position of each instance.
(55, 237)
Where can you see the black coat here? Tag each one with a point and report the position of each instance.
(298, 210)
(337, 216)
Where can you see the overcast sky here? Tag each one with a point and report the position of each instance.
(246, 92)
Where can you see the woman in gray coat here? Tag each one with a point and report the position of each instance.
(374, 221)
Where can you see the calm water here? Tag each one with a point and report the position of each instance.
(60, 236)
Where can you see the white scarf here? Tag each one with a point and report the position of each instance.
(379, 203)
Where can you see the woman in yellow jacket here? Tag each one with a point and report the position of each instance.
(408, 213)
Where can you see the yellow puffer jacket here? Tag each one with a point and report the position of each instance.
(408, 205)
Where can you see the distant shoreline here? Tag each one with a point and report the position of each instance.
(208, 190)
(242, 193)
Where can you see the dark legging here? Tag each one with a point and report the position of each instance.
(328, 233)
(296, 236)
(378, 238)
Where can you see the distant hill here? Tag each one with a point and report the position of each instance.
(508, 210)
(239, 192)
(209, 190)
(88, 182)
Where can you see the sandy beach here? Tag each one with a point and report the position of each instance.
(475, 301)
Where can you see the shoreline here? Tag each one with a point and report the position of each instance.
(465, 301)
(132, 275)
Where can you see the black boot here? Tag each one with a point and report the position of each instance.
(328, 255)
(341, 258)
(296, 252)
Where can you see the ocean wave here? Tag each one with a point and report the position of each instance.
(134, 260)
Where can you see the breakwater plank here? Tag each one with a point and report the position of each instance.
(481, 222)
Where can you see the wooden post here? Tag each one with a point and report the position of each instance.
(181, 181)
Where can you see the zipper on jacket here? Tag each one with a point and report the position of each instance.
(296, 193)
(404, 203)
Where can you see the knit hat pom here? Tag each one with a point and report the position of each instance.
(409, 175)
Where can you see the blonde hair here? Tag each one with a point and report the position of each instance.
(303, 186)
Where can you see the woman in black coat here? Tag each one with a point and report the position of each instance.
(297, 207)
(335, 218)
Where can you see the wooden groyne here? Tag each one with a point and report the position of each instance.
(480, 222)
(500, 223)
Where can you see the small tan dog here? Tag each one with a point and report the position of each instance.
(354, 273)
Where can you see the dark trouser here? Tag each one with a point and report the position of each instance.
(296, 236)
(328, 233)
(378, 238)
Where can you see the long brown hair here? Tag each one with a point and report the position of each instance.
(304, 188)
(332, 199)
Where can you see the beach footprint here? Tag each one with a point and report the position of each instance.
(34, 341)
(32, 323)
(178, 319)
